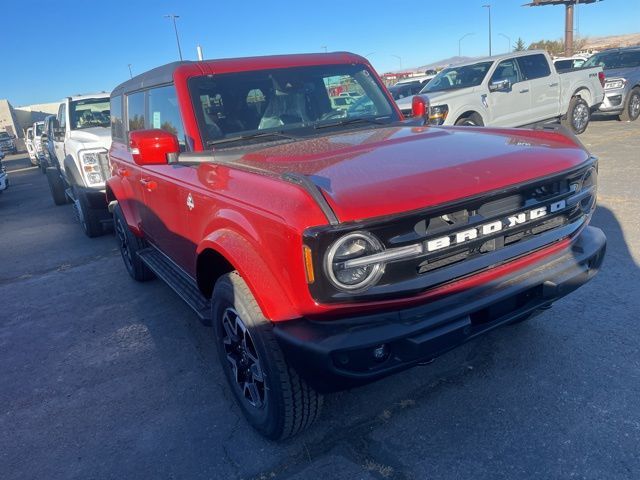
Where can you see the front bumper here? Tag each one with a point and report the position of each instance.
(333, 355)
(613, 102)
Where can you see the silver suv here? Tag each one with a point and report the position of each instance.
(622, 85)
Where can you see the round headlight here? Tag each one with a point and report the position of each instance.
(351, 247)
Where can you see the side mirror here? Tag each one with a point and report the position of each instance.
(151, 147)
(420, 107)
(500, 86)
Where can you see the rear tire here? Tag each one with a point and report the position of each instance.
(473, 120)
(88, 217)
(274, 399)
(129, 246)
(631, 110)
(56, 185)
(578, 116)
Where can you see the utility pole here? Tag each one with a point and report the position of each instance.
(460, 42)
(488, 7)
(175, 28)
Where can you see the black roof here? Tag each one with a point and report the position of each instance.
(157, 76)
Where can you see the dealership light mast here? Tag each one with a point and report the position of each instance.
(175, 28)
(568, 19)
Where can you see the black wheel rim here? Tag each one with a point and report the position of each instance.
(243, 360)
(123, 244)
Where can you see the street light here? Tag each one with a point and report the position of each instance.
(460, 42)
(175, 28)
(488, 7)
(399, 59)
(130, 74)
(508, 41)
(369, 54)
(324, 47)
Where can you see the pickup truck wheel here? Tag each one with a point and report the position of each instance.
(632, 109)
(129, 246)
(473, 120)
(273, 398)
(578, 116)
(56, 186)
(88, 217)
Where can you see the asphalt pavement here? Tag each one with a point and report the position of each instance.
(105, 378)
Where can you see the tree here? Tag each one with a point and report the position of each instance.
(519, 46)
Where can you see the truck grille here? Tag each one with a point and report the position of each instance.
(469, 236)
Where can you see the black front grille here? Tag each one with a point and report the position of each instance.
(564, 216)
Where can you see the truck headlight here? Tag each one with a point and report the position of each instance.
(614, 83)
(438, 114)
(353, 246)
(91, 166)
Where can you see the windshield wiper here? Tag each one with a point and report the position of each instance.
(250, 137)
(349, 121)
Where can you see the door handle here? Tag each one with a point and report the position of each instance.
(553, 84)
(150, 185)
(524, 91)
(123, 172)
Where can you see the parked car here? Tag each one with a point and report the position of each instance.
(81, 140)
(342, 102)
(511, 90)
(4, 179)
(423, 79)
(49, 154)
(7, 143)
(329, 249)
(407, 89)
(622, 84)
(563, 64)
(31, 148)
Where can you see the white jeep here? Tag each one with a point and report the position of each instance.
(81, 140)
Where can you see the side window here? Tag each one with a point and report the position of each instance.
(534, 66)
(135, 111)
(117, 129)
(62, 116)
(506, 70)
(164, 112)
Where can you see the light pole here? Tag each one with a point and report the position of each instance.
(175, 28)
(488, 7)
(460, 42)
(399, 59)
(324, 47)
(508, 41)
(130, 74)
(369, 54)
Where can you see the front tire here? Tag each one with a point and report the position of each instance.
(631, 110)
(473, 120)
(578, 116)
(274, 399)
(89, 218)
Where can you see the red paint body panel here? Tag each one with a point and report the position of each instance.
(257, 220)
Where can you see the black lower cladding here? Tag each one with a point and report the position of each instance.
(338, 354)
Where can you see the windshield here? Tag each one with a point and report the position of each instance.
(611, 60)
(245, 104)
(453, 78)
(39, 129)
(90, 112)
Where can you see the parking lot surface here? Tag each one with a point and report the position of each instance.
(103, 377)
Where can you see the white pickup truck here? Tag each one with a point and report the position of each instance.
(81, 141)
(510, 90)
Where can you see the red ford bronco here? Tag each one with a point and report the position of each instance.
(333, 245)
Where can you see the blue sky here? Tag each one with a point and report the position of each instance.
(56, 48)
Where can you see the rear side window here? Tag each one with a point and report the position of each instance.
(534, 66)
(135, 111)
(164, 112)
(62, 116)
(117, 128)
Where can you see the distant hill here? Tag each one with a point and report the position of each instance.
(612, 41)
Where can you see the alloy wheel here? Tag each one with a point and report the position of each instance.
(634, 107)
(580, 116)
(243, 360)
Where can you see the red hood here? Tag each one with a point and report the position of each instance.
(382, 171)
